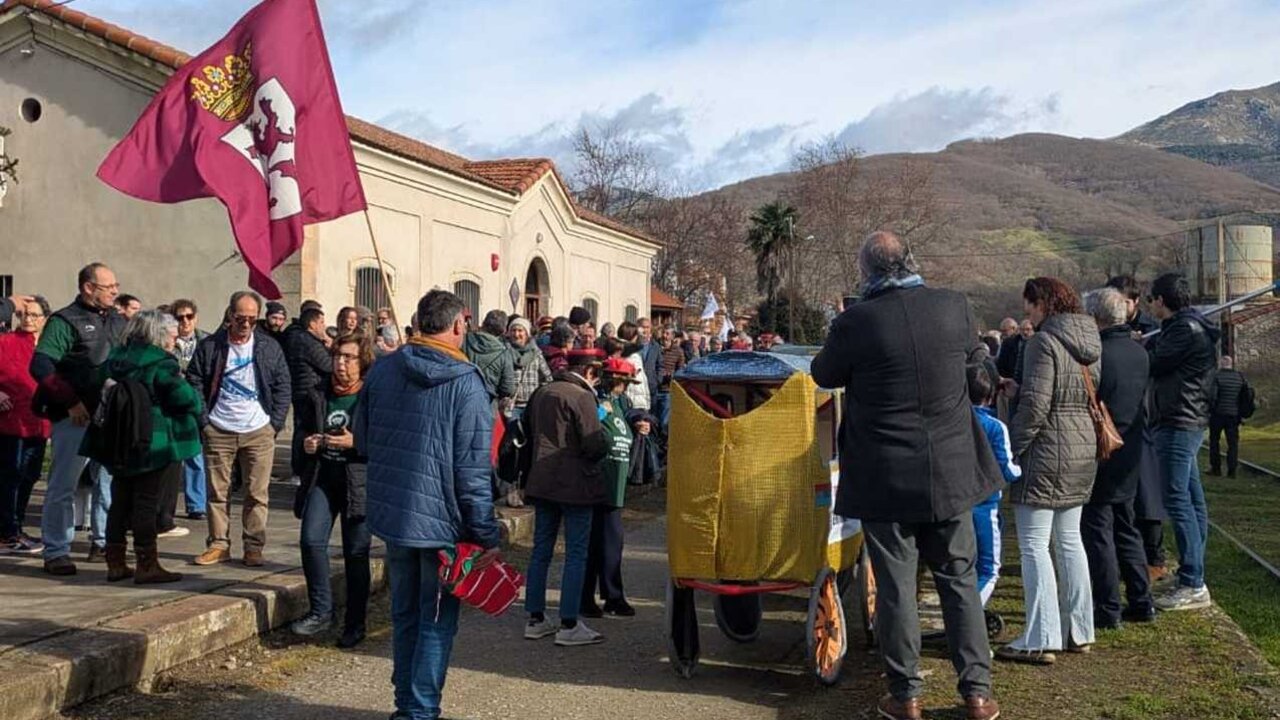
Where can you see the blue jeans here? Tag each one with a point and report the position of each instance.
(1184, 499)
(325, 502)
(1059, 605)
(20, 461)
(424, 619)
(193, 484)
(577, 536)
(662, 408)
(58, 524)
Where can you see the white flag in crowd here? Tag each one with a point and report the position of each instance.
(712, 307)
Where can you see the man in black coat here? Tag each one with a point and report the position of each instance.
(310, 367)
(1111, 536)
(1225, 415)
(913, 463)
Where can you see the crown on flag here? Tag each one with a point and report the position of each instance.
(226, 90)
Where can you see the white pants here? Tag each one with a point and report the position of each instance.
(1054, 601)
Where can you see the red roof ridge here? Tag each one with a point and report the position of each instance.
(512, 175)
(659, 298)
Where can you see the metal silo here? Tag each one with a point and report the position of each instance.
(1249, 260)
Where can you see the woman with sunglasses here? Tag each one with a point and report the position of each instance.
(23, 434)
(333, 484)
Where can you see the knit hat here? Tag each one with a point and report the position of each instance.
(545, 322)
(579, 316)
(275, 308)
(520, 323)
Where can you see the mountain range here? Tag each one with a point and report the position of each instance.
(1047, 204)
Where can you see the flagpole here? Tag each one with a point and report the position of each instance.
(382, 269)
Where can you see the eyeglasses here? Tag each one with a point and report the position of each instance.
(28, 315)
(347, 357)
(186, 316)
(245, 319)
(112, 286)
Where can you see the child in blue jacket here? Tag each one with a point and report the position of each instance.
(983, 385)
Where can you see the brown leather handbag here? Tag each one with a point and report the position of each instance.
(1109, 439)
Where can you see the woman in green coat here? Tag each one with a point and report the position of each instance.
(137, 487)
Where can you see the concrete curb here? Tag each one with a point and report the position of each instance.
(67, 669)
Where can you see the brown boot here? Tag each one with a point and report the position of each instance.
(117, 565)
(149, 570)
(978, 707)
(891, 708)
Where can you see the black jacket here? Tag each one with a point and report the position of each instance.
(912, 449)
(1224, 393)
(1182, 364)
(568, 442)
(310, 363)
(356, 466)
(270, 369)
(1143, 323)
(1125, 370)
(1010, 354)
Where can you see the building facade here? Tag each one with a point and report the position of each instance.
(501, 233)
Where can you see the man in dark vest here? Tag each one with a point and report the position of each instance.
(913, 463)
(1225, 415)
(74, 344)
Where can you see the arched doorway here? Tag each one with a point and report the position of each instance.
(537, 290)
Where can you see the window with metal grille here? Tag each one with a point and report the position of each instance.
(470, 294)
(632, 313)
(6, 285)
(370, 292)
(592, 307)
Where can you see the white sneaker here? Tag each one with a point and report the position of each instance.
(538, 630)
(1185, 598)
(174, 532)
(579, 634)
(294, 481)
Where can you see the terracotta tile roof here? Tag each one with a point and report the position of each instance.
(659, 299)
(159, 52)
(514, 176)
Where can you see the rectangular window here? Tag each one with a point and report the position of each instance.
(592, 307)
(369, 290)
(6, 285)
(470, 294)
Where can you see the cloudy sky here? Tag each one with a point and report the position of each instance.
(723, 90)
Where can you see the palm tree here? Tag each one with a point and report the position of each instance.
(770, 239)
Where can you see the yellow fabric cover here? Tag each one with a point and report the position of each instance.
(743, 495)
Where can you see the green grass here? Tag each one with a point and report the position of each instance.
(1246, 592)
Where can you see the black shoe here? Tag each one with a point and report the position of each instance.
(1139, 616)
(1106, 624)
(620, 608)
(590, 610)
(1214, 472)
(1231, 475)
(195, 516)
(312, 624)
(351, 637)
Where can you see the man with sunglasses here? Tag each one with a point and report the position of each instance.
(74, 344)
(242, 375)
(190, 336)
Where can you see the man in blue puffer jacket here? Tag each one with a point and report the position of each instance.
(424, 422)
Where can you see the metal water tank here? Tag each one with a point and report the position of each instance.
(1250, 259)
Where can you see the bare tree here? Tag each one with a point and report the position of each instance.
(614, 174)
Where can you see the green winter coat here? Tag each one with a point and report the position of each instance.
(175, 405)
(496, 362)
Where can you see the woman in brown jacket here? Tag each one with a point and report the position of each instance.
(1053, 439)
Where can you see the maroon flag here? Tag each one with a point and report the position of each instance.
(254, 121)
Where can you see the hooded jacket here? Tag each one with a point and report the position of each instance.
(175, 406)
(1182, 364)
(310, 363)
(493, 357)
(425, 423)
(1053, 436)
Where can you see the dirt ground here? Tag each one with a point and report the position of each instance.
(1188, 665)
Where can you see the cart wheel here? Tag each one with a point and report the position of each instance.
(995, 624)
(738, 616)
(866, 596)
(682, 630)
(825, 629)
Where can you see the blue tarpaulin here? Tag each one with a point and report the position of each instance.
(739, 366)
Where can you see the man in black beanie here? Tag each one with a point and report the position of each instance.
(579, 318)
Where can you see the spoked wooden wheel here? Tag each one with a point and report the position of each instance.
(866, 596)
(683, 647)
(825, 629)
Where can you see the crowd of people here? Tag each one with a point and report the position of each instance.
(413, 436)
(1089, 414)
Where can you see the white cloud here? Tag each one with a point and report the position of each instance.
(725, 88)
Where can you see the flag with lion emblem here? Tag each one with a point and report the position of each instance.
(254, 121)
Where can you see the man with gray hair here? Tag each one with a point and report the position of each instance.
(241, 374)
(1108, 527)
(913, 463)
